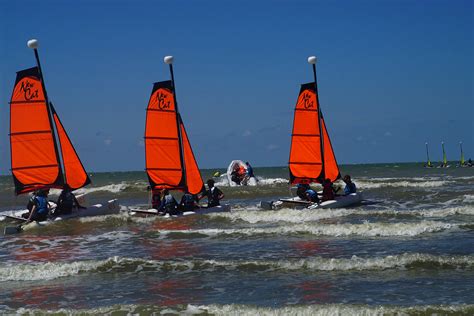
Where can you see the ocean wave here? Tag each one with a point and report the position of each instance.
(54, 270)
(468, 198)
(335, 230)
(369, 184)
(300, 216)
(222, 181)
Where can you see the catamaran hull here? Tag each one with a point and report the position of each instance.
(200, 211)
(295, 202)
(107, 208)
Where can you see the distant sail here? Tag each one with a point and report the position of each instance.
(305, 161)
(75, 174)
(193, 175)
(445, 160)
(462, 161)
(35, 161)
(162, 144)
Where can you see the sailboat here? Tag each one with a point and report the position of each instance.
(462, 162)
(444, 164)
(169, 158)
(312, 158)
(42, 154)
(428, 161)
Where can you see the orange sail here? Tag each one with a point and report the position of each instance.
(162, 143)
(193, 175)
(74, 172)
(306, 163)
(35, 160)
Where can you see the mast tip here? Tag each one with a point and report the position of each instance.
(32, 43)
(312, 60)
(168, 60)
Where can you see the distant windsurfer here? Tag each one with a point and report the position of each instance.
(350, 186)
(214, 195)
(237, 174)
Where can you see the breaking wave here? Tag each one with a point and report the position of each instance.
(54, 270)
(335, 230)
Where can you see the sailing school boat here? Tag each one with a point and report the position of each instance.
(444, 164)
(42, 154)
(312, 158)
(169, 158)
(428, 163)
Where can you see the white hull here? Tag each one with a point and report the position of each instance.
(295, 202)
(200, 211)
(107, 208)
(247, 181)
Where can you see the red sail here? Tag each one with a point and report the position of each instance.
(74, 172)
(34, 156)
(305, 161)
(162, 145)
(193, 175)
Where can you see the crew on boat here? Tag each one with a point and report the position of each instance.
(39, 206)
(328, 191)
(301, 189)
(350, 186)
(214, 195)
(238, 174)
(168, 204)
(311, 196)
(66, 202)
(155, 198)
(188, 202)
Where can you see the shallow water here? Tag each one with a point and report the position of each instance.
(409, 249)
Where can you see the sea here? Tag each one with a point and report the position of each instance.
(408, 249)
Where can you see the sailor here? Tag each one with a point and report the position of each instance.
(188, 202)
(40, 210)
(328, 191)
(168, 204)
(214, 195)
(236, 175)
(66, 202)
(311, 196)
(350, 186)
(301, 189)
(249, 171)
(156, 198)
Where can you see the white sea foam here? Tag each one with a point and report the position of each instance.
(368, 184)
(54, 270)
(250, 310)
(224, 182)
(336, 230)
(468, 198)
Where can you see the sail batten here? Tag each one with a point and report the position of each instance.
(312, 158)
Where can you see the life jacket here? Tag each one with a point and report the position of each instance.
(350, 188)
(41, 205)
(170, 203)
(188, 202)
(241, 171)
(313, 196)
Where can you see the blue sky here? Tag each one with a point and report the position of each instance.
(392, 75)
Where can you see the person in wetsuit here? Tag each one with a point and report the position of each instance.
(311, 196)
(168, 204)
(350, 186)
(188, 202)
(328, 191)
(214, 195)
(301, 189)
(66, 202)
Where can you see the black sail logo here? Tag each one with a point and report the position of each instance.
(308, 103)
(27, 89)
(163, 101)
